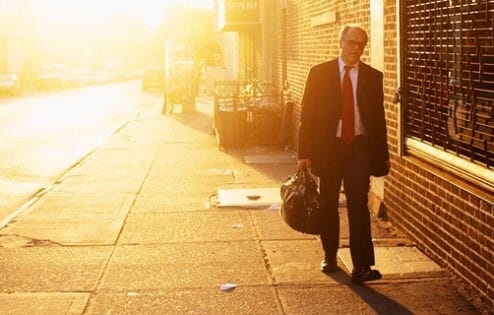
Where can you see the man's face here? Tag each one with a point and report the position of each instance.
(352, 46)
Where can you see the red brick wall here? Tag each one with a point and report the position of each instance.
(450, 224)
(307, 45)
(449, 218)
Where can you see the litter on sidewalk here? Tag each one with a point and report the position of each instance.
(249, 197)
(227, 286)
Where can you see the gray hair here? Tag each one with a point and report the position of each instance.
(346, 28)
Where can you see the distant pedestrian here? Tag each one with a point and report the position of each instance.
(342, 137)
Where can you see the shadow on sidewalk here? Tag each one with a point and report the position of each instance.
(202, 120)
(379, 302)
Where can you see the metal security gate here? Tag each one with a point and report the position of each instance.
(448, 76)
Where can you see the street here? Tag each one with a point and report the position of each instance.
(44, 134)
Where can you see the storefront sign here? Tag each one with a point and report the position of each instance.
(325, 18)
(234, 14)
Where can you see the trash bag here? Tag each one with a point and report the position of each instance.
(301, 206)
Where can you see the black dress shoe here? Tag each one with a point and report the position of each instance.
(363, 274)
(328, 265)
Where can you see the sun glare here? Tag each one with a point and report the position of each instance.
(148, 11)
(98, 35)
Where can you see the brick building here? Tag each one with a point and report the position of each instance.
(440, 190)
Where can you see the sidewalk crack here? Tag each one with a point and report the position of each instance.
(16, 240)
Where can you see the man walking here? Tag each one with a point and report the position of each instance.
(342, 137)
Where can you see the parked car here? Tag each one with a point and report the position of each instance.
(101, 77)
(83, 77)
(9, 84)
(52, 77)
(153, 79)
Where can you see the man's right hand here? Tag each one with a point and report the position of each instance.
(304, 162)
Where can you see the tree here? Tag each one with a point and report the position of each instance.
(193, 31)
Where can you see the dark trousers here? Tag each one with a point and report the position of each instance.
(350, 163)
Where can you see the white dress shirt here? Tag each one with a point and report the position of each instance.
(359, 127)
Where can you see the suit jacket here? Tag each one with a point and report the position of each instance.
(321, 111)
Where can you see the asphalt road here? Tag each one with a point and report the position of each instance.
(44, 134)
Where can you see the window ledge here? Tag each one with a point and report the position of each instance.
(469, 171)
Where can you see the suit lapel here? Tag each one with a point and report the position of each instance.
(332, 83)
(361, 82)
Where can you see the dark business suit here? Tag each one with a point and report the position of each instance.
(334, 161)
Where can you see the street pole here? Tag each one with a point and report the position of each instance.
(167, 76)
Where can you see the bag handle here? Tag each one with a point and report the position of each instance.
(303, 174)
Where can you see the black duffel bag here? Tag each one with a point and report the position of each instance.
(301, 206)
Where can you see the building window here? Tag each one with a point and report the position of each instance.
(448, 77)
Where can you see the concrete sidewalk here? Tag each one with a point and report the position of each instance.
(131, 230)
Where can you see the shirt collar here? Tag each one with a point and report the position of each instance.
(341, 65)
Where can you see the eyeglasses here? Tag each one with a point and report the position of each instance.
(355, 44)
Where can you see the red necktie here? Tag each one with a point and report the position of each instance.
(347, 115)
